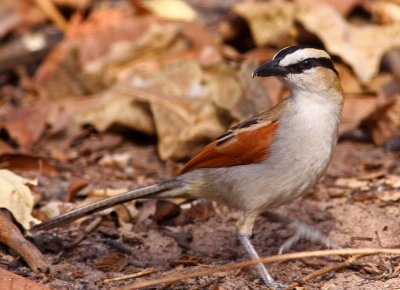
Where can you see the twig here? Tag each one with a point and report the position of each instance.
(130, 276)
(330, 268)
(117, 245)
(12, 237)
(277, 258)
(86, 231)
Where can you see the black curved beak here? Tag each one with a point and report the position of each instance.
(271, 68)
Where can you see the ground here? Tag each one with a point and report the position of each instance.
(351, 215)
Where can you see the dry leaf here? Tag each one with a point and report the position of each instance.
(115, 263)
(271, 23)
(147, 52)
(165, 210)
(170, 9)
(5, 148)
(197, 105)
(384, 122)
(355, 109)
(9, 18)
(344, 7)
(113, 108)
(356, 45)
(75, 185)
(51, 11)
(99, 143)
(121, 160)
(86, 41)
(200, 210)
(26, 125)
(76, 4)
(385, 12)
(349, 82)
(25, 162)
(30, 15)
(54, 208)
(16, 197)
(351, 183)
(389, 195)
(11, 281)
(393, 181)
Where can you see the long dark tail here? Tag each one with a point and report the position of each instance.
(75, 214)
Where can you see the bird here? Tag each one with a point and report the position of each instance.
(264, 162)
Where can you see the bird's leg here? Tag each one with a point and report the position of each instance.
(245, 227)
(268, 280)
(304, 231)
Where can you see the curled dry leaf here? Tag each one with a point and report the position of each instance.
(355, 45)
(16, 197)
(198, 103)
(75, 185)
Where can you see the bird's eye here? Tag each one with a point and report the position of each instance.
(307, 64)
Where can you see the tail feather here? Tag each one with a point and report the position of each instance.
(75, 214)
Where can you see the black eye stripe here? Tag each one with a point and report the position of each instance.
(310, 63)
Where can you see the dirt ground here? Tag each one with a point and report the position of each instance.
(354, 215)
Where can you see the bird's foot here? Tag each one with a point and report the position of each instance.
(304, 231)
(269, 282)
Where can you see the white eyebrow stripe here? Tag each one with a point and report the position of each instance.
(302, 54)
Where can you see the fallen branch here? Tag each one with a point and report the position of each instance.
(271, 259)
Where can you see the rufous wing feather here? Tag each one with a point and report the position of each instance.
(243, 145)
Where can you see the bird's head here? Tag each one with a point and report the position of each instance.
(302, 68)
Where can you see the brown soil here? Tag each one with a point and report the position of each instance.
(353, 217)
